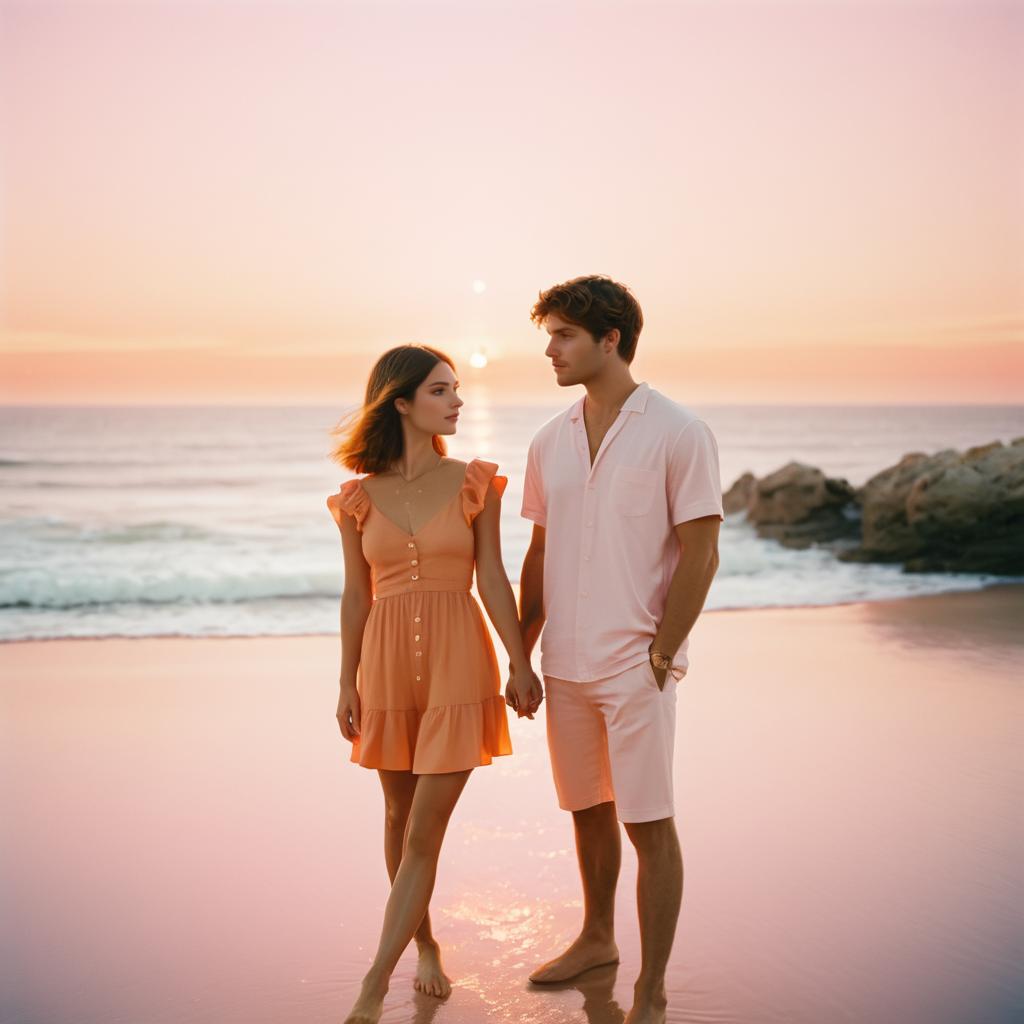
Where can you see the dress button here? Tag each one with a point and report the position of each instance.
(417, 636)
(410, 544)
(414, 577)
(418, 677)
(419, 654)
(417, 619)
(415, 561)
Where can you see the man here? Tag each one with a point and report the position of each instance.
(624, 492)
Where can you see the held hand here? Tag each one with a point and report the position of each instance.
(348, 712)
(517, 696)
(524, 692)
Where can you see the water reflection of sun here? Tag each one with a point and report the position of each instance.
(512, 934)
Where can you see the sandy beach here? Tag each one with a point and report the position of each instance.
(185, 840)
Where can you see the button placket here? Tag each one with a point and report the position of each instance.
(583, 589)
(417, 638)
(586, 541)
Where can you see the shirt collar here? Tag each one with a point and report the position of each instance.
(637, 401)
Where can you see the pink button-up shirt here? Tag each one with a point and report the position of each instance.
(610, 548)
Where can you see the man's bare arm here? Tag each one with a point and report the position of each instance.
(531, 591)
(698, 563)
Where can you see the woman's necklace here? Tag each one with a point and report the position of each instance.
(405, 489)
(407, 482)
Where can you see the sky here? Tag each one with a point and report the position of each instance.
(229, 201)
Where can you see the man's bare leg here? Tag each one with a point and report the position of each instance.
(399, 789)
(599, 852)
(659, 893)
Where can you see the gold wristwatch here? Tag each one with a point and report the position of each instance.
(659, 660)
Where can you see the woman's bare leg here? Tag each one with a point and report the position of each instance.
(399, 788)
(432, 805)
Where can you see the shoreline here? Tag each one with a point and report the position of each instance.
(996, 590)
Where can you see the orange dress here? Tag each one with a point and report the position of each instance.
(428, 679)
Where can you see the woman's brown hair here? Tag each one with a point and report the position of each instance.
(371, 438)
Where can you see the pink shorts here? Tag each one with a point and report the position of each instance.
(612, 739)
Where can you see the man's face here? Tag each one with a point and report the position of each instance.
(575, 355)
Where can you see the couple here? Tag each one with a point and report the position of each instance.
(624, 493)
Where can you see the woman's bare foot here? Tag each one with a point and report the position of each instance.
(430, 977)
(370, 1004)
(586, 952)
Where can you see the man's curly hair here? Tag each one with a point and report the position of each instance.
(597, 304)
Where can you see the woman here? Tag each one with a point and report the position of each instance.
(420, 689)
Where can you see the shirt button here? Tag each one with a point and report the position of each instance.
(414, 577)
(417, 677)
(415, 561)
(417, 619)
(417, 636)
(411, 544)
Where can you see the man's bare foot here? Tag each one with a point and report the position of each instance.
(646, 1015)
(370, 1004)
(648, 1007)
(430, 977)
(584, 953)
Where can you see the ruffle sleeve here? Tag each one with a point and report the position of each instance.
(479, 475)
(352, 500)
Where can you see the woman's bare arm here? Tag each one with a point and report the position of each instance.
(356, 600)
(497, 597)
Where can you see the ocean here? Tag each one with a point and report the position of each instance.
(211, 521)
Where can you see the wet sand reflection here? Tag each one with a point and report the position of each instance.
(190, 843)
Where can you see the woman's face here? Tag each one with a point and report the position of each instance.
(434, 408)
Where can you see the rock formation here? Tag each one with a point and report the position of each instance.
(948, 512)
(797, 505)
(951, 512)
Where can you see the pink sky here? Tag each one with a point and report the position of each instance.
(235, 201)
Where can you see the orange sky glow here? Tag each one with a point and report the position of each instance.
(216, 201)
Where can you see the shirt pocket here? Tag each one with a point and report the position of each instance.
(633, 490)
